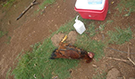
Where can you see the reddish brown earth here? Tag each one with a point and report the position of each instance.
(35, 27)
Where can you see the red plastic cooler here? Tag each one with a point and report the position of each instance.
(94, 14)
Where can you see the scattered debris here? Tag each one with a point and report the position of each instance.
(9, 22)
(101, 31)
(128, 14)
(34, 76)
(112, 2)
(94, 65)
(55, 77)
(128, 56)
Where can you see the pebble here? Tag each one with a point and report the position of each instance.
(113, 74)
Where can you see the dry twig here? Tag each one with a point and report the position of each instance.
(119, 50)
(33, 3)
(128, 56)
(117, 59)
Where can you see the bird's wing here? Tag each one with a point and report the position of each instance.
(70, 53)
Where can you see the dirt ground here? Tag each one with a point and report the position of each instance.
(35, 27)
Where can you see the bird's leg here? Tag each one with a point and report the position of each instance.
(64, 38)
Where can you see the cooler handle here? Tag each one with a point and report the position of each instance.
(92, 16)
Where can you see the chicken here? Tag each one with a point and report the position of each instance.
(68, 51)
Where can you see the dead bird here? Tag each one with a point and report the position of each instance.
(69, 51)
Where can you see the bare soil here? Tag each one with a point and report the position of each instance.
(35, 27)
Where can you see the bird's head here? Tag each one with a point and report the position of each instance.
(91, 55)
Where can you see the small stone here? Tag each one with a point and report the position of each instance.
(94, 65)
(113, 74)
(112, 2)
(9, 22)
(14, 5)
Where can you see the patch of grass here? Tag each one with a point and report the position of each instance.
(8, 39)
(102, 26)
(128, 4)
(100, 76)
(119, 7)
(8, 2)
(45, 2)
(8, 73)
(128, 14)
(91, 29)
(120, 36)
(37, 64)
(2, 33)
(84, 42)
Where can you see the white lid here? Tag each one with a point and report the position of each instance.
(83, 4)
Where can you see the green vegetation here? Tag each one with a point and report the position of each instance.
(2, 33)
(126, 5)
(45, 2)
(37, 64)
(88, 44)
(8, 73)
(120, 36)
(129, 12)
(91, 29)
(102, 26)
(129, 4)
(8, 2)
(8, 39)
